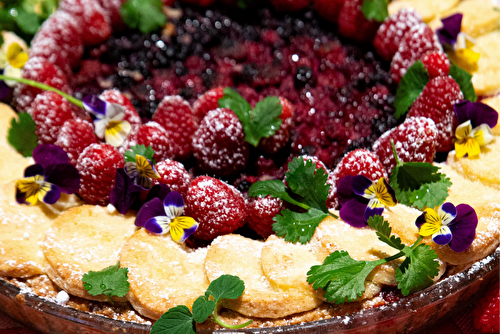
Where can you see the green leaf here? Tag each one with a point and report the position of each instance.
(410, 87)
(274, 188)
(412, 175)
(384, 231)
(22, 134)
(431, 194)
(234, 101)
(111, 281)
(28, 22)
(177, 320)
(146, 152)
(203, 308)
(295, 226)
(226, 287)
(464, 81)
(146, 15)
(341, 276)
(416, 273)
(375, 9)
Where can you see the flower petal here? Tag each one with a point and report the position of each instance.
(131, 169)
(114, 111)
(49, 155)
(464, 130)
(182, 228)
(428, 222)
(363, 186)
(451, 28)
(144, 182)
(116, 132)
(344, 190)
(482, 134)
(443, 236)
(124, 193)
(11, 71)
(478, 113)
(49, 193)
(34, 170)
(374, 207)
(463, 228)
(159, 190)
(173, 204)
(385, 194)
(100, 126)
(27, 190)
(94, 105)
(16, 56)
(158, 225)
(468, 57)
(145, 167)
(352, 212)
(4, 90)
(151, 209)
(66, 177)
(3, 60)
(447, 212)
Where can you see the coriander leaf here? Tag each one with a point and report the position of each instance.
(111, 281)
(177, 320)
(22, 134)
(431, 194)
(234, 101)
(296, 226)
(146, 152)
(410, 87)
(416, 273)
(464, 81)
(384, 231)
(341, 276)
(225, 287)
(203, 308)
(146, 15)
(411, 175)
(265, 120)
(274, 188)
(375, 9)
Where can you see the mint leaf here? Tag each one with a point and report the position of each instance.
(410, 87)
(177, 320)
(111, 281)
(276, 189)
(383, 231)
(417, 270)
(411, 175)
(226, 287)
(464, 81)
(146, 152)
(341, 276)
(145, 15)
(22, 134)
(431, 194)
(202, 309)
(375, 9)
(295, 226)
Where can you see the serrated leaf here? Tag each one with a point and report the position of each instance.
(111, 281)
(234, 101)
(22, 134)
(295, 226)
(226, 287)
(464, 81)
(411, 175)
(431, 194)
(177, 320)
(274, 188)
(384, 231)
(410, 87)
(265, 119)
(146, 15)
(375, 9)
(203, 308)
(146, 152)
(417, 272)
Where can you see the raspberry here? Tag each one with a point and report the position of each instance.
(75, 135)
(48, 49)
(436, 63)
(328, 9)
(353, 23)
(416, 42)
(91, 17)
(49, 111)
(154, 135)
(131, 115)
(415, 140)
(202, 3)
(261, 211)
(174, 114)
(217, 207)
(174, 175)
(112, 9)
(486, 313)
(97, 166)
(279, 140)
(390, 33)
(436, 102)
(290, 5)
(219, 143)
(208, 101)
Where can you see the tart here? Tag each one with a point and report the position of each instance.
(342, 96)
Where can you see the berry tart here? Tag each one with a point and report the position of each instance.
(315, 165)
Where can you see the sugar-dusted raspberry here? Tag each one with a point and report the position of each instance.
(332, 201)
(219, 144)
(416, 42)
(202, 3)
(174, 114)
(75, 135)
(415, 140)
(154, 135)
(353, 23)
(487, 311)
(97, 165)
(112, 9)
(436, 102)
(436, 63)
(174, 175)
(53, 53)
(279, 140)
(131, 115)
(328, 9)
(206, 102)
(217, 207)
(290, 5)
(390, 33)
(261, 211)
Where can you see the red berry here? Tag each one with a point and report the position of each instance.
(112, 9)
(206, 102)
(436, 63)
(415, 140)
(74, 137)
(416, 42)
(487, 311)
(261, 211)
(154, 135)
(168, 2)
(390, 33)
(353, 23)
(97, 166)
(49, 111)
(436, 102)
(280, 138)
(217, 207)
(219, 144)
(202, 3)
(174, 114)
(290, 5)
(174, 175)
(131, 115)
(48, 49)
(328, 9)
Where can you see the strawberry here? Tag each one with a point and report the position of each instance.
(416, 42)
(97, 165)
(49, 111)
(206, 102)
(436, 102)
(261, 211)
(174, 175)
(280, 138)
(75, 135)
(154, 135)
(174, 114)
(290, 5)
(415, 140)
(131, 115)
(219, 144)
(436, 63)
(391, 32)
(486, 313)
(353, 23)
(328, 9)
(217, 207)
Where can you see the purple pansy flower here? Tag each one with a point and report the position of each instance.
(476, 112)
(125, 192)
(452, 25)
(48, 177)
(4, 89)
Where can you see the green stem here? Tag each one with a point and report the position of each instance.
(332, 215)
(217, 320)
(394, 257)
(417, 242)
(398, 162)
(36, 84)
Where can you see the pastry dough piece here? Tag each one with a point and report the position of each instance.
(479, 17)
(162, 274)
(22, 227)
(240, 256)
(428, 9)
(83, 239)
(494, 102)
(486, 79)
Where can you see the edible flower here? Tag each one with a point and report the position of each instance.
(361, 198)
(476, 120)
(109, 123)
(451, 225)
(142, 171)
(48, 177)
(12, 61)
(165, 216)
